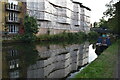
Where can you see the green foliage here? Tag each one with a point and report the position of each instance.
(110, 12)
(117, 17)
(93, 35)
(114, 22)
(113, 12)
(95, 24)
(63, 37)
(30, 25)
(25, 37)
(103, 23)
(31, 28)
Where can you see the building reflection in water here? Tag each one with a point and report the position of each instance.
(53, 61)
(11, 64)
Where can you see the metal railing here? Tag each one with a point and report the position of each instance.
(13, 7)
(13, 20)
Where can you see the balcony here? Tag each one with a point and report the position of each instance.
(13, 20)
(13, 7)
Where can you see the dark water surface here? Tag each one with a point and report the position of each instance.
(92, 56)
(44, 61)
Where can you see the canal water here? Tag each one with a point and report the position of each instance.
(45, 61)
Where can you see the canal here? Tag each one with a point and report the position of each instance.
(45, 61)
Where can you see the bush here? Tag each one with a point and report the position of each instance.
(63, 37)
(25, 38)
(30, 28)
(92, 35)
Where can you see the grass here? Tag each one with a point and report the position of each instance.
(103, 67)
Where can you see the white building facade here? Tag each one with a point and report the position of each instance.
(59, 16)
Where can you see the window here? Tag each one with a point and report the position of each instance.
(8, 5)
(13, 52)
(14, 74)
(13, 29)
(11, 5)
(12, 16)
(9, 16)
(14, 6)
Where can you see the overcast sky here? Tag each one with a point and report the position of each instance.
(97, 7)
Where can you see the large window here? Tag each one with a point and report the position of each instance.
(13, 6)
(12, 16)
(12, 29)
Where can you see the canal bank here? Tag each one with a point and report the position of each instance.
(57, 38)
(105, 66)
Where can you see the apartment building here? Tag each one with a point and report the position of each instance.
(12, 13)
(52, 16)
(85, 18)
(58, 16)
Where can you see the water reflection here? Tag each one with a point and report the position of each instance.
(36, 61)
(92, 54)
(16, 59)
(100, 49)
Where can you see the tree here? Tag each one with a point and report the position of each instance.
(103, 23)
(110, 12)
(30, 25)
(95, 24)
(117, 17)
(113, 12)
(30, 28)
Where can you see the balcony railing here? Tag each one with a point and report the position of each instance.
(13, 7)
(13, 20)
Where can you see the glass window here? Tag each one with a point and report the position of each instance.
(8, 16)
(11, 16)
(14, 6)
(14, 16)
(13, 29)
(11, 5)
(8, 6)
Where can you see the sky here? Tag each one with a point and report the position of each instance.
(97, 7)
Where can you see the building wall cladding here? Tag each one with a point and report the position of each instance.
(1, 21)
(58, 16)
(2, 16)
(12, 13)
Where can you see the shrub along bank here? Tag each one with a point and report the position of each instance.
(63, 37)
(104, 66)
(92, 35)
